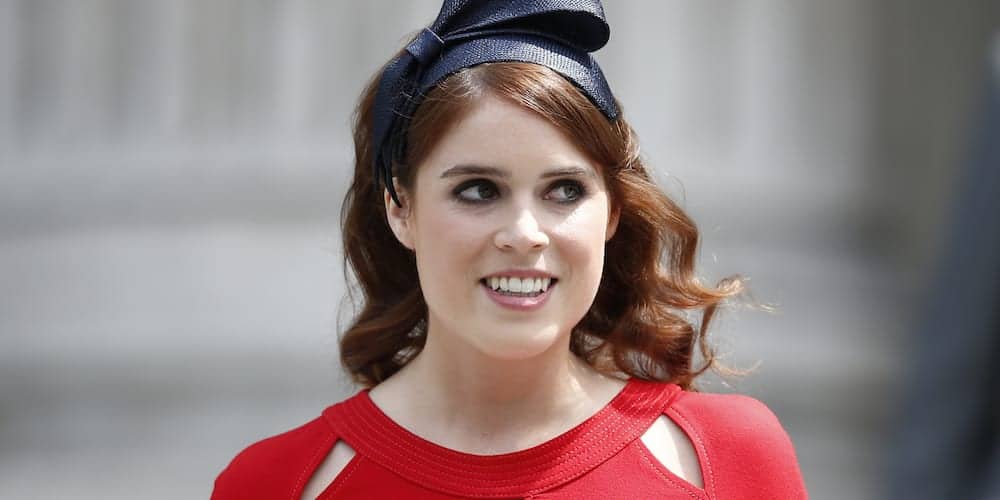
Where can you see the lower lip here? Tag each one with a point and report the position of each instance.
(518, 303)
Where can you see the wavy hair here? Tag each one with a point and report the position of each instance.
(637, 323)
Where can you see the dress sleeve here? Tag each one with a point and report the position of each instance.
(276, 467)
(745, 451)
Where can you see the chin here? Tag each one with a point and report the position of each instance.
(519, 343)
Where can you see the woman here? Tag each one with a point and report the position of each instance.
(521, 332)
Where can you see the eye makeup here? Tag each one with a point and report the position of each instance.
(485, 190)
(482, 191)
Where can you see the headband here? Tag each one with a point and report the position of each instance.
(559, 34)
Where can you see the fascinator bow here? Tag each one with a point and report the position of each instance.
(559, 34)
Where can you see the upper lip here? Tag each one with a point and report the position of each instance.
(520, 273)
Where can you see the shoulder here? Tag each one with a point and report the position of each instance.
(273, 467)
(733, 415)
(743, 441)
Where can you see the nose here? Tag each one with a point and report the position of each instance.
(523, 234)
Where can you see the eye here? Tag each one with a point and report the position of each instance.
(567, 191)
(477, 191)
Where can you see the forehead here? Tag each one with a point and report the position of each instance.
(503, 134)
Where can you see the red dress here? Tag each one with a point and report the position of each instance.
(743, 451)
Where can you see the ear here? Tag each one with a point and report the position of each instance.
(612, 223)
(399, 218)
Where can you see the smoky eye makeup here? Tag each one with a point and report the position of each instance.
(482, 191)
(476, 191)
(567, 191)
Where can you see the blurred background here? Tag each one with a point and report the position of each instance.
(171, 173)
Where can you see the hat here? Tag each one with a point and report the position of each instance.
(559, 34)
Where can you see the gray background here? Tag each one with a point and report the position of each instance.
(171, 175)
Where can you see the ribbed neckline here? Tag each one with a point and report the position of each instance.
(573, 453)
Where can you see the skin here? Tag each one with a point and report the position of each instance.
(489, 379)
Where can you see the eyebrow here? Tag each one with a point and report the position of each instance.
(460, 170)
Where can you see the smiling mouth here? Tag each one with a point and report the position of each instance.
(503, 289)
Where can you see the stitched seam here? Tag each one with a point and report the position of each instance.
(510, 485)
(593, 434)
(513, 485)
(643, 402)
(300, 483)
(686, 486)
(337, 483)
(700, 442)
(411, 456)
(596, 434)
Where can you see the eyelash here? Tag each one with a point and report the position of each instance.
(581, 191)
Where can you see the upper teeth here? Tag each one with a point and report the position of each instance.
(519, 285)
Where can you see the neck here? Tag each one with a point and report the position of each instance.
(462, 399)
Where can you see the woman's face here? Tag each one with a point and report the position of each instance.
(506, 195)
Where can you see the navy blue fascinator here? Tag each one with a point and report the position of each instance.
(559, 34)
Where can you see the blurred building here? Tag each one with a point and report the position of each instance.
(171, 174)
(948, 429)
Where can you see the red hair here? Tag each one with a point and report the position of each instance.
(635, 326)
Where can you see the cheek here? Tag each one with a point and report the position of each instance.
(582, 240)
(446, 244)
